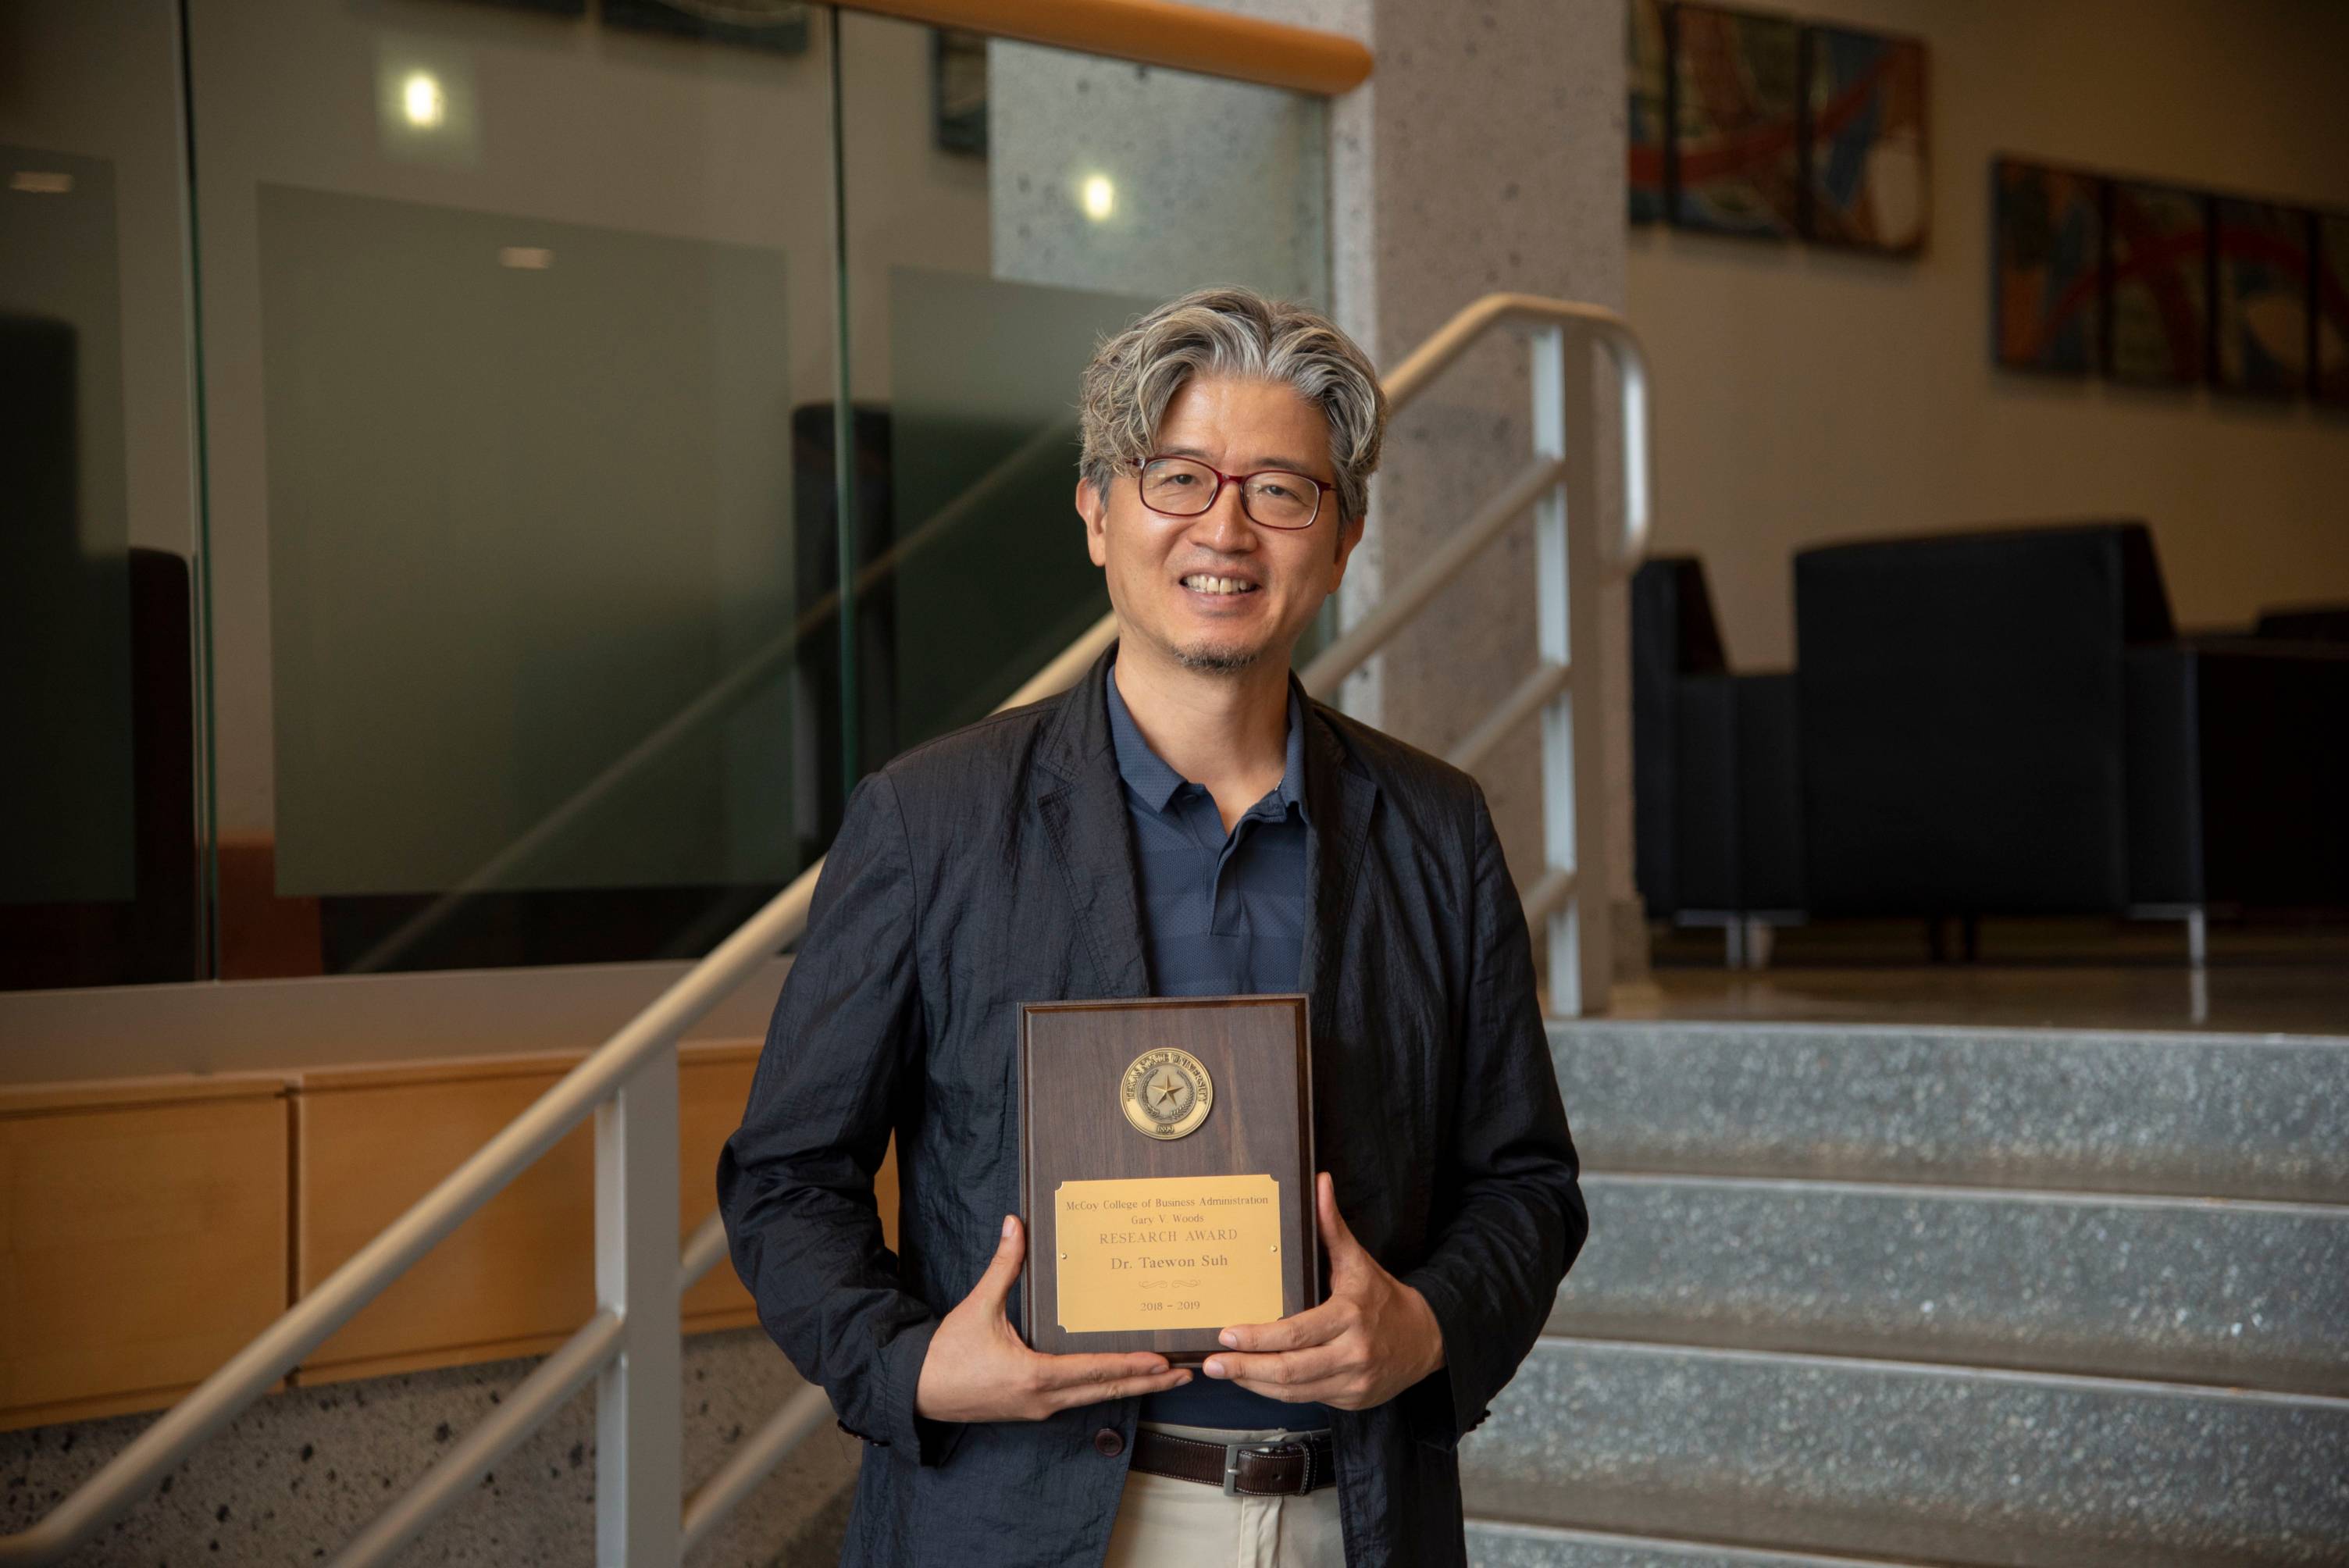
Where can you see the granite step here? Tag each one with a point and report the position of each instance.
(1492, 1545)
(1889, 1459)
(2214, 1115)
(2246, 1294)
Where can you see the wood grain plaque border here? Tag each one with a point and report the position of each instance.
(1073, 1056)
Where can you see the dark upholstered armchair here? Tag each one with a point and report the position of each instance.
(2005, 722)
(1715, 788)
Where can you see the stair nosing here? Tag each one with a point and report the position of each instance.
(1685, 1545)
(2080, 1196)
(1966, 1370)
(2040, 1034)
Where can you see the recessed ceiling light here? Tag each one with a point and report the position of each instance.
(421, 99)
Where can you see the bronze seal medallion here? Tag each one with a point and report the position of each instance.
(1167, 1093)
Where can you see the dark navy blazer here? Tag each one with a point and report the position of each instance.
(992, 867)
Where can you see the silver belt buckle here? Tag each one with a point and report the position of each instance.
(1232, 1452)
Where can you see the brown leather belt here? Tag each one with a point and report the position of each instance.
(1289, 1467)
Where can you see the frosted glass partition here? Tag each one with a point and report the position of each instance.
(529, 499)
(994, 579)
(510, 318)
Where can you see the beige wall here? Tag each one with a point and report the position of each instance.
(1803, 395)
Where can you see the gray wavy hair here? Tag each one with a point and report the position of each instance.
(1231, 332)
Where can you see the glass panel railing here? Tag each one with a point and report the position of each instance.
(449, 568)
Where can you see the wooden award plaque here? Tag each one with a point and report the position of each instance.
(1166, 1172)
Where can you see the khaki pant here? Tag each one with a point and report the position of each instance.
(1162, 1522)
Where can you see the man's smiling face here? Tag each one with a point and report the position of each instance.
(1217, 592)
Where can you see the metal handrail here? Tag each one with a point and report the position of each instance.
(1614, 334)
(599, 1079)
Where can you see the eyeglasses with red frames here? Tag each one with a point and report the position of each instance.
(1272, 498)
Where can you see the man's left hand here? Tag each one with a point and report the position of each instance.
(1374, 1337)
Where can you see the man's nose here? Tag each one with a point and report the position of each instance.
(1225, 526)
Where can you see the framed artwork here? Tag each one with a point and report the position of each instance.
(778, 25)
(1643, 35)
(2047, 233)
(2331, 381)
(1736, 164)
(2258, 298)
(959, 91)
(2157, 298)
(1864, 129)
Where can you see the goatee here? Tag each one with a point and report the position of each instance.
(1215, 661)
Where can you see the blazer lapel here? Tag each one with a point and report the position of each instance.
(1083, 804)
(1338, 801)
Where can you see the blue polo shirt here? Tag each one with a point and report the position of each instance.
(1222, 915)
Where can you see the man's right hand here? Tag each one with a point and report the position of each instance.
(977, 1370)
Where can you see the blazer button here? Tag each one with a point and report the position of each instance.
(1108, 1443)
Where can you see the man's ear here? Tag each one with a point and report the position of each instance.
(1349, 534)
(1090, 507)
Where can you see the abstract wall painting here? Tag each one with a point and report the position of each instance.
(2048, 228)
(2157, 301)
(1865, 129)
(959, 91)
(1643, 35)
(2331, 382)
(1737, 154)
(2260, 298)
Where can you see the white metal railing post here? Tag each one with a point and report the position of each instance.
(639, 1397)
(1554, 646)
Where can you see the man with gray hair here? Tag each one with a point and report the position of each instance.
(1183, 821)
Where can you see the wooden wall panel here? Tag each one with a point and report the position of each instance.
(148, 1230)
(517, 1276)
(711, 1093)
(142, 1239)
(514, 1279)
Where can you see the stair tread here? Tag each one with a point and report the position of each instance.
(2167, 1288)
(2242, 1116)
(1882, 1458)
(1493, 1543)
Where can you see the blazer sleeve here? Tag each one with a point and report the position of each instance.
(795, 1182)
(1509, 1194)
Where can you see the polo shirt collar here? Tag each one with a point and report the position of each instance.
(1154, 783)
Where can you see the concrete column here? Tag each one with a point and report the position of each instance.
(1485, 153)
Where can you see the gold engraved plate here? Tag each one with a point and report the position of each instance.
(1168, 1252)
(1167, 1093)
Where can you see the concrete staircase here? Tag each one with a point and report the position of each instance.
(1971, 1297)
